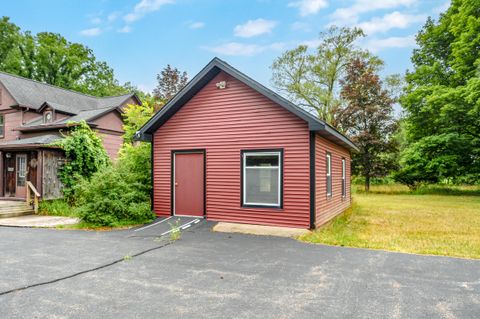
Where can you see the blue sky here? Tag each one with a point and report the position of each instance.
(139, 37)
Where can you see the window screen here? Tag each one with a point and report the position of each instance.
(261, 178)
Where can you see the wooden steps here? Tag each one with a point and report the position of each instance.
(13, 208)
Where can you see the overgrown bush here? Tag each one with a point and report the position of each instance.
(434, 159)
(85, 155)
(135, 160)
(118, 194)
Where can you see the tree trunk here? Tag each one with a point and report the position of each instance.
(367, 183)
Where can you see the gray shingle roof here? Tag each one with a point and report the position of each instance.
(37, 140)
(34, 94)
(85, 115)
(59, 107)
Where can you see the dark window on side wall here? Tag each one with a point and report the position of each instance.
(344, 179)
(2, 126)
(262, 178)
(329, 174)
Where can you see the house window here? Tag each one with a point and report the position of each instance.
(262, 178)
(21, 169)
(329, 174)
(2, 126)
(344, 179)
(47, 117)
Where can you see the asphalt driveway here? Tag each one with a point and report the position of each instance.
(128, 274)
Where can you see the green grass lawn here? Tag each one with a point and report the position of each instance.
(434, 220)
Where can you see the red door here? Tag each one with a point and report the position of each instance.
(189, 184)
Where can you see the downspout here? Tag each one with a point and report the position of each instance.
(151, 174)
(312, 179)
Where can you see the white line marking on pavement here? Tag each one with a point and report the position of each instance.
(180, 227)
(145, 227)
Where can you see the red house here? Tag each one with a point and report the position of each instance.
(33, 115)
(229, 149)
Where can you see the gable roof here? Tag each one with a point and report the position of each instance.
(207, 74)
(34, 94)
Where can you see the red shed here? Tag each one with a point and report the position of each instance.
(229, 149)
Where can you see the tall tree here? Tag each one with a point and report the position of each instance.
(368, 115)
(9, 37)
(50, 58)
(442, 100)
(135, 116)
(170, 81)
(311, 77)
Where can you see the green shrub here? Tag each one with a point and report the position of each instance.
(435, 158)
(85, 155)
(118, 194)
(134, 161)
(56, 207)
(112, 197)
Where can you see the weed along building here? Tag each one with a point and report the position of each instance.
(229, 149)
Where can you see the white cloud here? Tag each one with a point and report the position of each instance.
(375, 45)
(92, 32)
(144, 7)
(125, 29)
(309, 7)
(196, 25)
(244, 49)
(394, 20)
(350, 15)
(254, 27)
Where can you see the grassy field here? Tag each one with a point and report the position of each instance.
(434, 220)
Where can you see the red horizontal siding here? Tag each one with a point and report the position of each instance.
(328, 207)
(224, 122)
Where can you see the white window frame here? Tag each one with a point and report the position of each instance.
(21, 160)
(344, 178)
(244, 180)
(329, 174)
